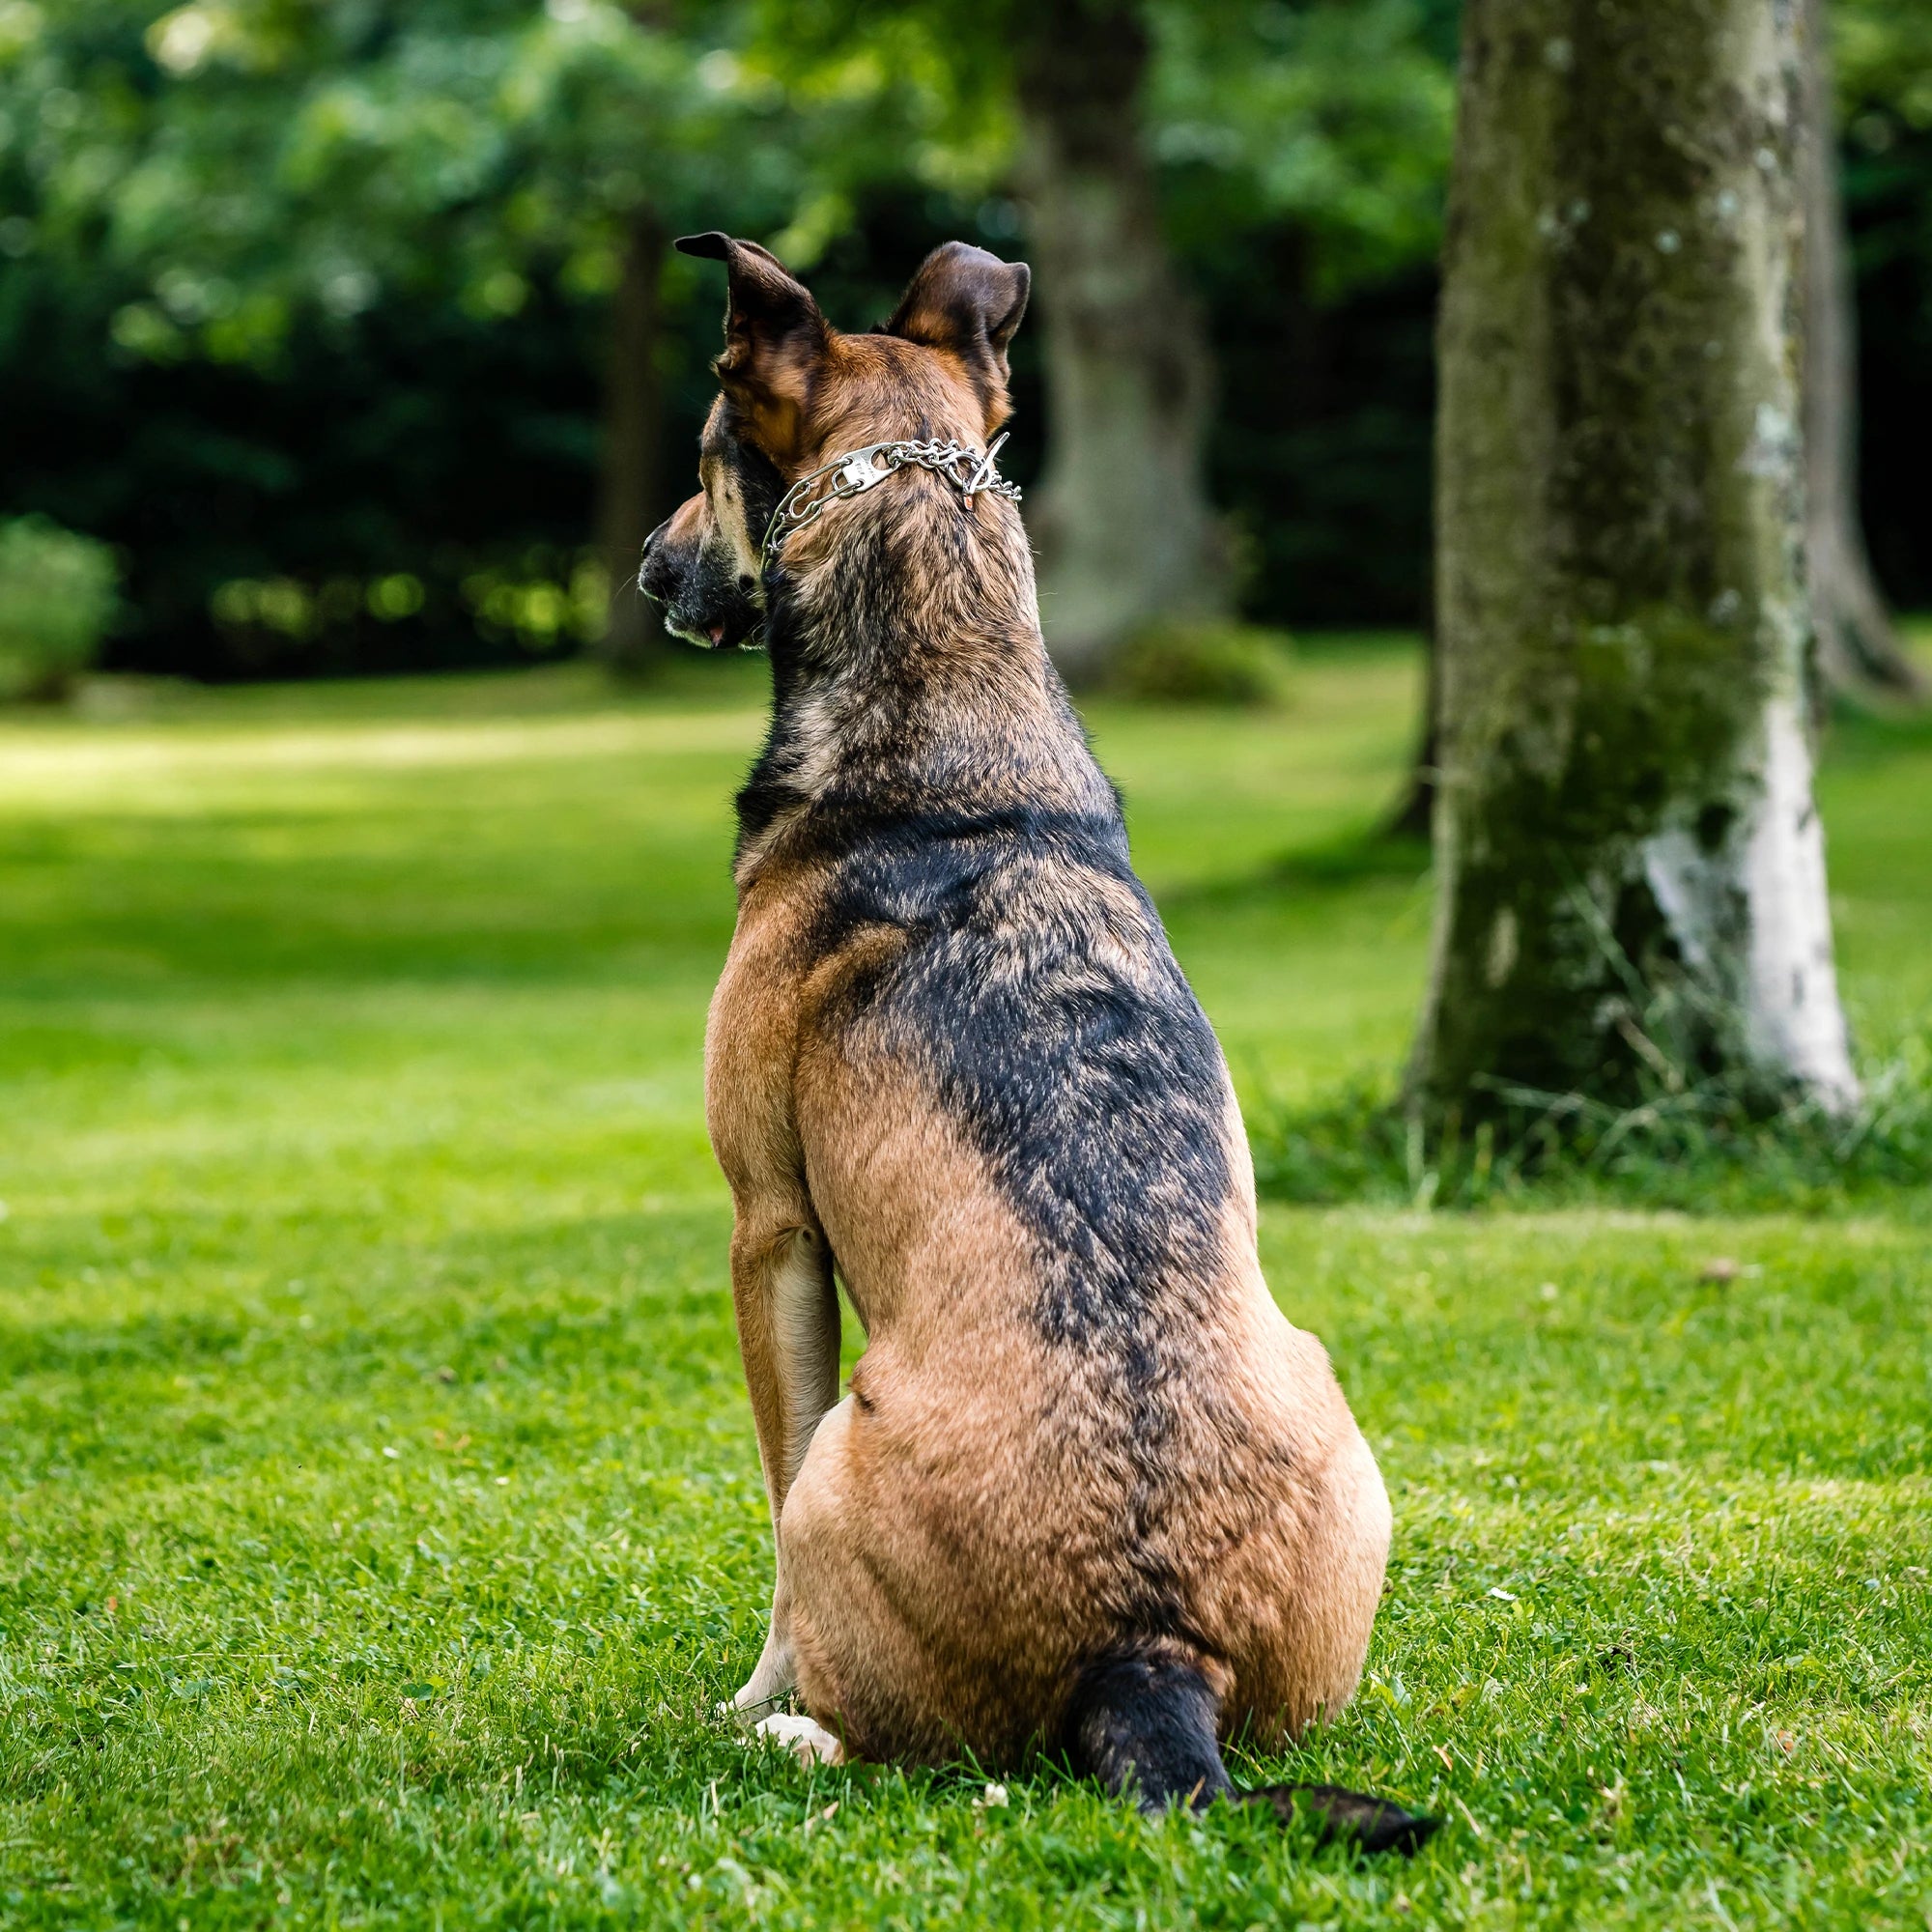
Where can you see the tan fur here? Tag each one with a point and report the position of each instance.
(952, 1505)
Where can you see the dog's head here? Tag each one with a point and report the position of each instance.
(796, 392)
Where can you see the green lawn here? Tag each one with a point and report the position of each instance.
(382, 1511)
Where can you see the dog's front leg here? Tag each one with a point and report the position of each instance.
(789, 1334)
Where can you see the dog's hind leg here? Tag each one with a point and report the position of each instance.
(789, 1334)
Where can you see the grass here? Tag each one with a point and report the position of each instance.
(379, 1507)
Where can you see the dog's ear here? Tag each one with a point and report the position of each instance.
(775, 339)
(969, 302)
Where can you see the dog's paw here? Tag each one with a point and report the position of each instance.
(808, 1742)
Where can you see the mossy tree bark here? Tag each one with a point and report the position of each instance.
(1859, 652)
(1631, 870)
(630, 470)
(1126, 534)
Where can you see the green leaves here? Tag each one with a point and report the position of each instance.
(249, 159)
(1336, 116)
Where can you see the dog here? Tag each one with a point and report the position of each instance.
(1088, 1491)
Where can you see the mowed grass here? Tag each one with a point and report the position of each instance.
(382, 1515)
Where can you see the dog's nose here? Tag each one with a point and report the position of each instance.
(649, 558)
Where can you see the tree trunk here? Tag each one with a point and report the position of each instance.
(1859, 651)
(1126, 536)
(629, 481)
(1630, 867)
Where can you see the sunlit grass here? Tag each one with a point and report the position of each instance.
(381, 1508)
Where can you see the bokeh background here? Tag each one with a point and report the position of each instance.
(350, 327)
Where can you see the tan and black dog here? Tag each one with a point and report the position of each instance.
(1088, 1490)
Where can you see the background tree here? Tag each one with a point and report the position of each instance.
(1145, 143)
(1631, 871)
(482, 138)
(1858, 649)
(1126, 534)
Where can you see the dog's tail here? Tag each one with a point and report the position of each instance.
(1142, 1719)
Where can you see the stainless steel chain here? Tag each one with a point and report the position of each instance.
(861, 470)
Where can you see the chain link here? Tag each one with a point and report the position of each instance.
(861, 470)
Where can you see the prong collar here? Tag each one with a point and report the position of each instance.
(861, 470)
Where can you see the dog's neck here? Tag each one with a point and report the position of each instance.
(909, 675)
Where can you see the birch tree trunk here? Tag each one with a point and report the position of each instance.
(1859, 650)
(1631, 870)
(629, 475)
(1126, 532)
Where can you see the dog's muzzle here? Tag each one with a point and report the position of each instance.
(697, 609)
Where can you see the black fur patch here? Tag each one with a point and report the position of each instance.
(1353, 1817)
(1093, 1085)
(707, 596)
(1142, 1720)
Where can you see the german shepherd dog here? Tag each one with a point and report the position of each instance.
(1088, 1491)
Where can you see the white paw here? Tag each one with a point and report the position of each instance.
(809, 1743)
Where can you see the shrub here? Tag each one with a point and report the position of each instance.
(57, 598)
(1711, 1145)
(1204, 664)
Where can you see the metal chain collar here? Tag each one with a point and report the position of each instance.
(861, 470)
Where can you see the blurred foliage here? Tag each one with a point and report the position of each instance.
(1332, 121)
(1205, 663)
(57, 599)
(313, 294)
(1884, 99)
(250, 161)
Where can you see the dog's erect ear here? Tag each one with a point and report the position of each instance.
(774, 338)
(967, 301)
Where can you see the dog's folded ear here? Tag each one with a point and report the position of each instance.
(970, 302)
(775, 337)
